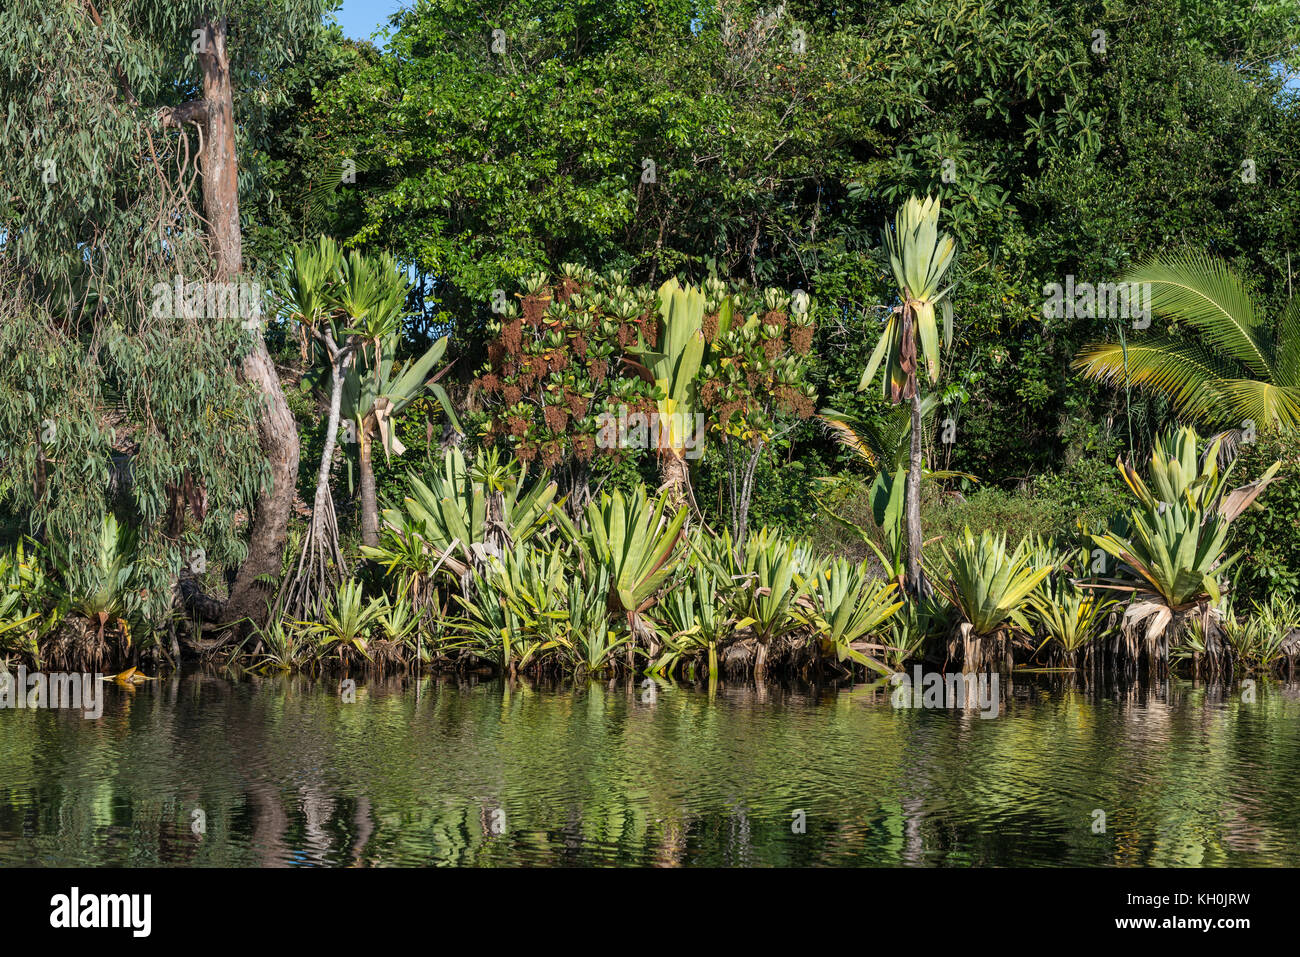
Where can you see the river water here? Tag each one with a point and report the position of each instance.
(204, 769)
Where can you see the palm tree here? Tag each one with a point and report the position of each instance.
(1235, 371)
(920, 257)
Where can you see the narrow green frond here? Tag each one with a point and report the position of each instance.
(1267, 405)
(1210, 297)
(1288, 345)
(1185, 373)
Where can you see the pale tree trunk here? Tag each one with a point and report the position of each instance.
(740, 502)
(915, 574)
(277, 431)
(740, 489)
(337, 372)
(369, 500)
(320, 566)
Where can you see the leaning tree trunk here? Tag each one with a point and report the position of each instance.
(320, 562)
(912, 501)
(369, 499)
(276, 429)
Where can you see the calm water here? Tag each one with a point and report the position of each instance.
(439, 772)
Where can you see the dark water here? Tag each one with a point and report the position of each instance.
(439, 772)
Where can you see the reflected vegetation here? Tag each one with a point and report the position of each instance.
(437, 772)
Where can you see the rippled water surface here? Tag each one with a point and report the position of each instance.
(437, 772)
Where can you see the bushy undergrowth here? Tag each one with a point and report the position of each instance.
(483, 567)
(1270, 537)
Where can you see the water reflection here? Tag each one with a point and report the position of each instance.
(459, 772)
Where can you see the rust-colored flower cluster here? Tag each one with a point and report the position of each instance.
(559, 359)
(573, 352)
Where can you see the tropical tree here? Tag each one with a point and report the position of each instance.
(372, 398)
(1238, 368)
(675, 365)
(561, 381)
(919, 257)
(310, 297)
(754, 384)
(1173, 547)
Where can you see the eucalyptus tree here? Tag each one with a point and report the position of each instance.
(120, 245)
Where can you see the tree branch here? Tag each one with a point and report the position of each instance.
(195, 111)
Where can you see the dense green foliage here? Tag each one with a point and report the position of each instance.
(610, 206)
(778, 166)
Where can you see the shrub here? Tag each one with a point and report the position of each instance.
(1270, 534)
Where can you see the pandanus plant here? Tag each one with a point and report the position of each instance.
(778, 577)
(373, 396)
(459, 520)
(516, 610)
(1268, 632)
(372, 299)
(23, 590)
(1066, 614)
(694, 620)
(346, 620)
(308, 292)
(989, 586)
(635, 539)
(96, 586)
(591, 640)
(850, 606)
(1173, 551)
(675, 365)
(920, 258)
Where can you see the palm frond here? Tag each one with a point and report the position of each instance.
(1207, 295)
(1185, 372)
(1263, 402)
(1288, 344)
